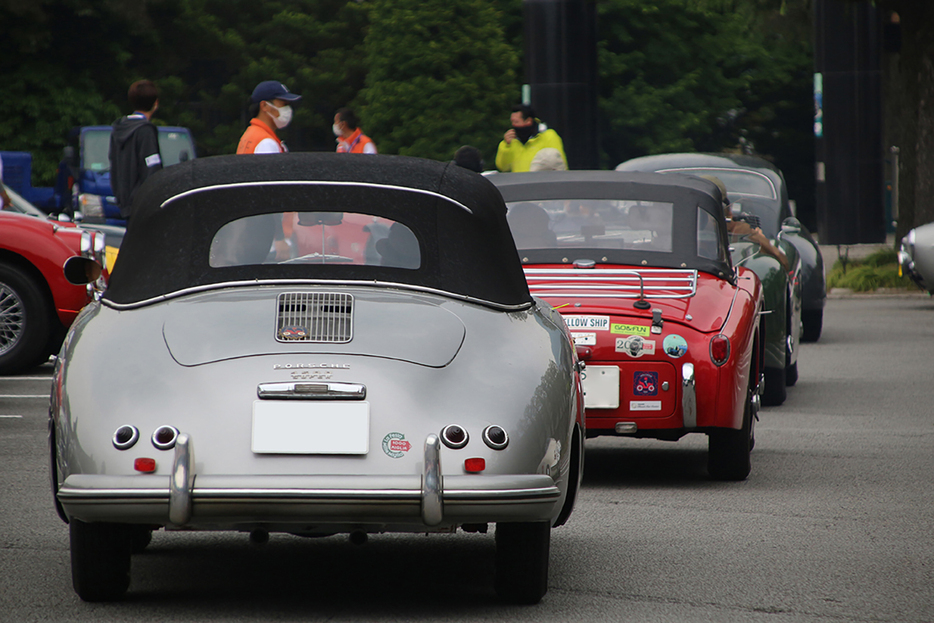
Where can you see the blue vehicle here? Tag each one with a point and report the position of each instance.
(86, 168)
(83, 180)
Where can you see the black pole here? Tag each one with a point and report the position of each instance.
(848, 122)
(561, 70)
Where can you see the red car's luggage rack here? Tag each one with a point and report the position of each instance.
(659, 283)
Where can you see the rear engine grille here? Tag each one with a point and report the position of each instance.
(325, 317)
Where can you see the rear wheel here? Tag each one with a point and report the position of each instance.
(774, 393)
(728, 450)
(812, 322)
(25, 321)
(522, 561)
(100, 560)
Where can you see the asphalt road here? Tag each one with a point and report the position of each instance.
(835, 523)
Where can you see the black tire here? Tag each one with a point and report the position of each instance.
(812, 323)
(728, 450)
(791, 375)
(140, 538)
(25, 321)
(575, 477)
(100, 560)
(774, 393)
(522, 561)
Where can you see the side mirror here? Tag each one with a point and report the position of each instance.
(791, 225)
(183, 155)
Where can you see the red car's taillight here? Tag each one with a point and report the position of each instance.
(719, 349)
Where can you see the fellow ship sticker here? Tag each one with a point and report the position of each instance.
(635, 346)
(629, 329)
(675, 345)
(645, 384)
(395, 445)
(592, 323)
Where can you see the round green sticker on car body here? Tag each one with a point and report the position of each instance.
(395, 445)
(675, 345)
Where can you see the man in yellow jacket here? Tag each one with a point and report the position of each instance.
(524, 140)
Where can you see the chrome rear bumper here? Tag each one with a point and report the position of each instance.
(429, 500)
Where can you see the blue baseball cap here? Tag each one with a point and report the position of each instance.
(273, 90)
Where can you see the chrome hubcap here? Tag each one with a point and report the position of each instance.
(12, 319)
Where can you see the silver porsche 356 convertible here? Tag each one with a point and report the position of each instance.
(316, 344)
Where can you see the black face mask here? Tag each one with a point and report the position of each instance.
(525, 132)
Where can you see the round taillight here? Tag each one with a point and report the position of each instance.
(164, 437)
(495, 437)
(454, 436)
(719, 349)
(125, 437)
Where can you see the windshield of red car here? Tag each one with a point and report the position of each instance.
(591, 223)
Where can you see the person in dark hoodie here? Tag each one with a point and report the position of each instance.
(134, 146)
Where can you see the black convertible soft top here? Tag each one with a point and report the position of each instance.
(686, 194)
(458, 217)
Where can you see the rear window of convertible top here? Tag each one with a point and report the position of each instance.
(315, 238)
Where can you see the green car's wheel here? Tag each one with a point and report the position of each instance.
(774, 393)
(791, 375)
(812, 322)
(522, 561)
(100, 560)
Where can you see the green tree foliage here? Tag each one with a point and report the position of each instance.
(440, 75)
(214, 52)
(708, 75)
(60, 64)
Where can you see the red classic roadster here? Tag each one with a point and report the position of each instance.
(670, 331)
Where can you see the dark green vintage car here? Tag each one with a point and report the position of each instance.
(794, 297)
(762, 185)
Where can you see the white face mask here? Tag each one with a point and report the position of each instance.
(285, 115)
(336, 129)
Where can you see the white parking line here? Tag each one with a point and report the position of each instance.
(11, 416)
(24, 395)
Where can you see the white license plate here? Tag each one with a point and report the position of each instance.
(601, 387)
(311, 427)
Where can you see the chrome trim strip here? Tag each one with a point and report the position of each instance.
(182, 481)
(688, 396)
(432, 510)
(312, 282)
(311, 391)
(419, 191)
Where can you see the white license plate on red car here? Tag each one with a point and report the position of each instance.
(310, 427)
(601, 387)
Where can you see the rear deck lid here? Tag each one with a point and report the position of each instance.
(222, 325)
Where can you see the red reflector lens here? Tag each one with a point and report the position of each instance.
(145, 465)
(475, 465)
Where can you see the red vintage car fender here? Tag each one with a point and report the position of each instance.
(45, 246)
(741, 326)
